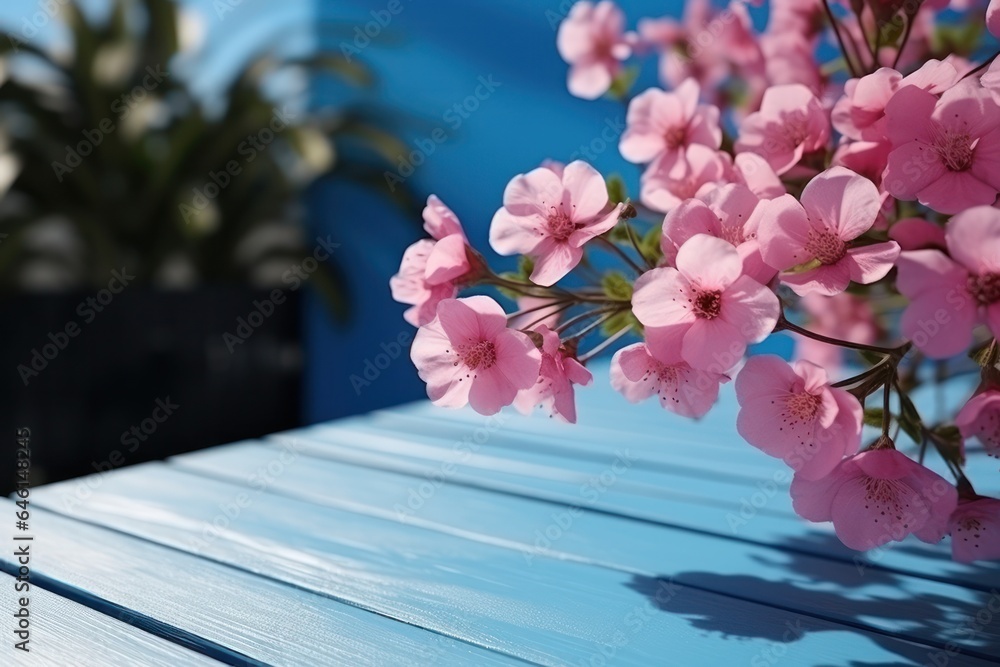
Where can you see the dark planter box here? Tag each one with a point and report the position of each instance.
(149, 375)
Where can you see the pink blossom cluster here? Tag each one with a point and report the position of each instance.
(852, 204)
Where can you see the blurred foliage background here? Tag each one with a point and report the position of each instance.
(111, 159)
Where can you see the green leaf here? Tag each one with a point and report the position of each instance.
(871, 357)
(619, 321)
(909, 418)
(650, 245)
(525, 266)
(622, 85)
(617, 190)
(513, 277)
(892, 30)
(873, 417)
(617, 286)
(950, 443)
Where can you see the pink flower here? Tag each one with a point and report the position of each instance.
(410, 285)
(592, 41)
(466, 354)
(661, 125)
(549, 217)
(918, 234)
(809, 241)
(876, 497)
(678, 60)
(791, 122)
(754, 172)
(706, 169)
(860, 113)
(686, 391)
(865, 158)
(431, 269)
(980, 419)
(705, 306)
(554, 388)
(946, 154)
(843, 316)
(975, 530)
(949, 296)
(792, 413)
(790, 59)
(439, 220)
(993, 18)
(448, 260)
(727, 213)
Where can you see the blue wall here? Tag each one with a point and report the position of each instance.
(431, 56)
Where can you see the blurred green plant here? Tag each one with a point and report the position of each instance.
(110, 159)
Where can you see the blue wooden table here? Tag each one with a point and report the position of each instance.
(420, 536)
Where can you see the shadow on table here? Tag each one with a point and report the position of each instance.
(822, 584)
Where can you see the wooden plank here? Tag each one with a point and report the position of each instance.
(548, 611)
(675, 462)
(63, 632)
(222, 609)
(662, 441)
(744, 517)
(833, 589)
(477, 449)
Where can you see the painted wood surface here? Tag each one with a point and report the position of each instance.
(541, 609)
(420, 536)
(220, 610)
(65, 633)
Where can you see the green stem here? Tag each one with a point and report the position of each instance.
(893, 352)
(604, 345)
(621, 253)
(840, 39)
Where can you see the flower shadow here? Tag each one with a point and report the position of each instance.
(828, 595)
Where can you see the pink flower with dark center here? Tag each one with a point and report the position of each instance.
(728, 212)
(876, 497)
(810, 242)
(792, 413)
(467, 355)
(592, 40)
(946, 154)
(950, 296)
(549, 217)
(975, 530)
(791, 122)
(705, 307)
(661, 126)
(554, 388)
(683, 390)
(980, 419)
